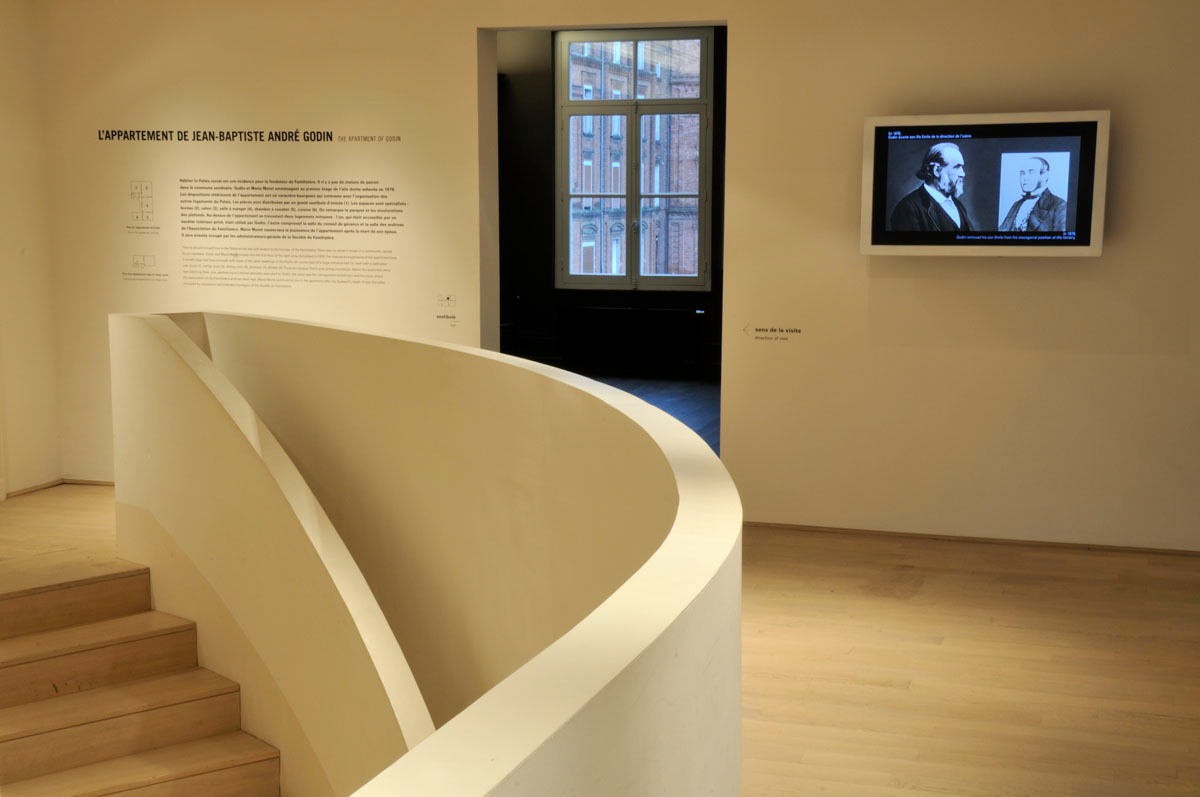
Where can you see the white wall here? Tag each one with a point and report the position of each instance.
(28, 351)
(1046, 399)
(353, 68)
(1037, 399)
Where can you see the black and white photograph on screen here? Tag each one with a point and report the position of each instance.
(1022, 183)
(935, 205)
(981, 178)
(1034, 191)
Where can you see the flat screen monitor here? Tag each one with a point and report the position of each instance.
(989, 184)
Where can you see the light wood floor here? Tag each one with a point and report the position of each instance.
(878, 665)
(884, 665)
(64, 533)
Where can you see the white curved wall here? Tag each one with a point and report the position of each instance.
(491, 507)
(235, 541)
(559, 560)
(641, 698)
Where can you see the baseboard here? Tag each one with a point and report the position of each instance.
(988, 540)
(56, 483)
(35, 488)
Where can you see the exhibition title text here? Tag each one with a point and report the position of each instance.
(243, 136)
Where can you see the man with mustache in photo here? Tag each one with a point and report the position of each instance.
(1037, 210)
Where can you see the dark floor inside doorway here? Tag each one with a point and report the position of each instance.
(695, 403)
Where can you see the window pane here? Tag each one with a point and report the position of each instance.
(602, 70)
(671, 148)
(672, 68)
(597, 240)
(670, 235)
(597, 153)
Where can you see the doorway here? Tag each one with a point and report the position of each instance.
(661, 345)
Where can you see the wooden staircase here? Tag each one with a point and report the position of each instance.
(100, 695)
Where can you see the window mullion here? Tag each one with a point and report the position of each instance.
(632, 199)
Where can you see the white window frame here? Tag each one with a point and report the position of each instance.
(628, 113)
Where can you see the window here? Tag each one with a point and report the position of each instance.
(661, 135)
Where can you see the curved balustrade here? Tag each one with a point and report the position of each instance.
(558, 561)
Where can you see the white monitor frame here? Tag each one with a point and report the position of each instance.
(1098, 187)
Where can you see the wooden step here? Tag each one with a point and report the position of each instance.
(54, 663)
(230, 765)
(30, 565)
(113, 721)
(71, 593)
